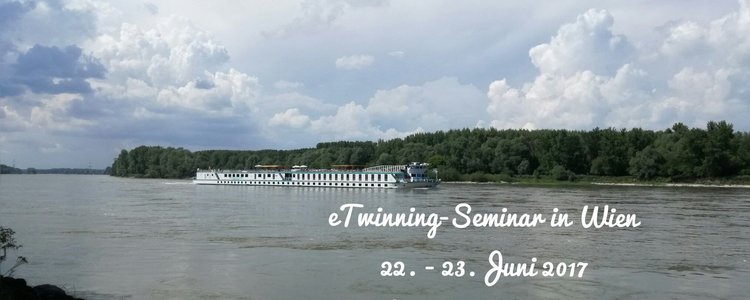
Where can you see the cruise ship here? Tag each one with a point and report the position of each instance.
(413, 175)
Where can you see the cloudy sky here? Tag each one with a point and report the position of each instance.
(82, 79)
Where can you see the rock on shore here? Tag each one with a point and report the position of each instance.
(17, 289)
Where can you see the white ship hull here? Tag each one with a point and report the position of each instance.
(383, 177)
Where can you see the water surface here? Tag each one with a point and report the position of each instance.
(112, 238)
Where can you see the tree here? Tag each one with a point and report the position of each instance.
(611, 159)
(524, 168)
(719, 150)
(743, 152)
(8, 242)
(646, 164)
(560, 173)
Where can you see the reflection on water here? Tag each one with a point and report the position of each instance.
(110, 238)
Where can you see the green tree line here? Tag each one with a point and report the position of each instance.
(676, 153)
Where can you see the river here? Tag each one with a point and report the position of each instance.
(103, 237)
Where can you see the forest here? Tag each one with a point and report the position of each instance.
(675, 154)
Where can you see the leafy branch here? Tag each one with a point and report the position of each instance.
(8, 242)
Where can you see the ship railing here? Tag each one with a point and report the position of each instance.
(385, 168)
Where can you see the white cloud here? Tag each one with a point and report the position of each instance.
(173, 54)
(10, 120)
(174, 68)
(353, 122)
(226, 93)
(589, 76)
(354, 62)
(686, 38)
(53, 114)
(586, 44)
(291, 118)
(440, 104)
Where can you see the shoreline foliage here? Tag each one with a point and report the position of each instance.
(678, 154)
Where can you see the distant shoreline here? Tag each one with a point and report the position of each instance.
(674, 185)
(628, 184)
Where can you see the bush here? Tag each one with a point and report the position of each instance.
(478, 177)
(560, 173)
(449, 174)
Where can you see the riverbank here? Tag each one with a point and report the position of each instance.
(587, 180)
(17, 289)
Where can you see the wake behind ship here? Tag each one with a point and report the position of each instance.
(413, 175)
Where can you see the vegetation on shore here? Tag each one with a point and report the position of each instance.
(87, 171)
(9, 170)
(677, 154)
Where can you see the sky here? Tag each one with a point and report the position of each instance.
(82, 79)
